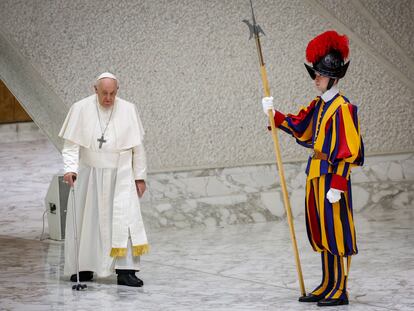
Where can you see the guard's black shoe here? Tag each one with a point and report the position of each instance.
(84, 276)
(129, 279)
(332, 302)
(311, 298)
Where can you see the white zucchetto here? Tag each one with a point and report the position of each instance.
(106, 75)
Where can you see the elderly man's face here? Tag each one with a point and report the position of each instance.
(106, 90)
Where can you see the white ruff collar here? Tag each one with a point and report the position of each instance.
(329, 94)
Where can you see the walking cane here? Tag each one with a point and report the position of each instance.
(78, 285)
(255, 31)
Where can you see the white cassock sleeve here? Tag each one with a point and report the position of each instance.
(139, 162)
(70, 154)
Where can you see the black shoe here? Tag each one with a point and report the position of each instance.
(129, 280)
(332, 302)
(84, 276)
(137, 279)
(311, 298)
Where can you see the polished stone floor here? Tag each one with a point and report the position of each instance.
(240, 267)
(235, 267)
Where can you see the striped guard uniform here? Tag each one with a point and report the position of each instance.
(329, 126)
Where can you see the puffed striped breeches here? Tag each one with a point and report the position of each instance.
(330, 227)
(331, 232)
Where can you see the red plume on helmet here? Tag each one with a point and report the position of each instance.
(327, 53)
(325, 43)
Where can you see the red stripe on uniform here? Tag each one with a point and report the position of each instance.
(328, 126)
(279, 118)
(296, 120)
(351, 110)
(339, 182)
(313, 218)
(343, 150)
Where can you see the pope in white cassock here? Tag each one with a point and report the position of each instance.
(103, 151)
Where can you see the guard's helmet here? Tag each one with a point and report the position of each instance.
(327, 52)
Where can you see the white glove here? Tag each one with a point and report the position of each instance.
(267, 103)
(333, 195)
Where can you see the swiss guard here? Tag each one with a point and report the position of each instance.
(329, 126)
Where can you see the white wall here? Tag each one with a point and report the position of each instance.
(194, 75)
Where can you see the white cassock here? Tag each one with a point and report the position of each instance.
(110, 229)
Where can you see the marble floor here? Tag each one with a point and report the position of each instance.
(235, 267)
(240, 267)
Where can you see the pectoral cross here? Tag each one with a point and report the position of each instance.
(101, 141)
